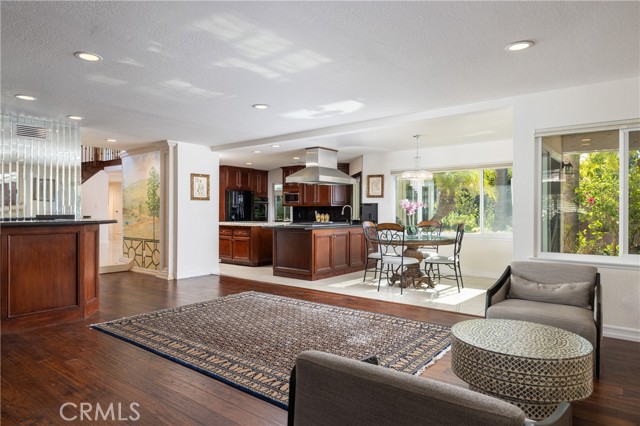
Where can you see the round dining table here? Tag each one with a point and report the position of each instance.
(412, 244)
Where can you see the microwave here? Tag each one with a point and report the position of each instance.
(291, 198)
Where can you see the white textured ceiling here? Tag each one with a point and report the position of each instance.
(190, 71)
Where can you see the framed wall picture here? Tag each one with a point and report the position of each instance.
(199, 187)
(375, 186)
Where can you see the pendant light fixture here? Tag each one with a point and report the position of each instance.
(417, 176)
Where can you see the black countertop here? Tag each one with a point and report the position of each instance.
(21, 222)
(315, 225)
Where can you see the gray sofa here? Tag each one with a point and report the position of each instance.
(560, 295)
(329, 390)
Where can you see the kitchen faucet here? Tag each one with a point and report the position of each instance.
(350, 211)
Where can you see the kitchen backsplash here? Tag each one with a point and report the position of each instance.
(308, 213)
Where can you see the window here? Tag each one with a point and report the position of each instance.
(481, 199)
(590, 193)
(282, 213)
(633, 228)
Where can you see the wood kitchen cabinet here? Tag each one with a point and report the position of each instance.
(315, 195)
(357, 249)
(331, 249)
(288, 171)
(226, 243)
(311, 254)
(235, 178)
(246, 245)
(260, 183)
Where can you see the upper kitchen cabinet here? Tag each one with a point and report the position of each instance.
(288, 171)
(235, 178)
(316, 195)
(260, 183)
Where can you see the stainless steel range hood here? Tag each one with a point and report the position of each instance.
(322, 169)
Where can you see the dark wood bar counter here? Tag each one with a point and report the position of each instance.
(49, 271)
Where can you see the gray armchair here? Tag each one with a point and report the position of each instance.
(560, 295)
(329, 390)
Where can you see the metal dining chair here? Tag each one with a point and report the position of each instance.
(451, 261)
(390, 240)
(433, 228)
(373, 255)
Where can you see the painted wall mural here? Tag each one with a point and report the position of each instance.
(141, 209)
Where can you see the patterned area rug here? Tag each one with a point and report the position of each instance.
(250, 340)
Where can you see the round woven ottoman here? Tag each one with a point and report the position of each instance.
(533, 366)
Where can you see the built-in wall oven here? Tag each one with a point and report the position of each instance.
(260, 209)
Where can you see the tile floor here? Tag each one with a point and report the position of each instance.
(445, 296)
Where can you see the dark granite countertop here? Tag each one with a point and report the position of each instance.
(310, 226)
(21, 222)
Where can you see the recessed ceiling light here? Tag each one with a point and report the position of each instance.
(275, 146)
(26, 97)
(296, 158)
(257, 151)
(112, 140)
(260, 106)
(74, 117)
(248, 163)
(585, 140)
(518, 45)
(88, 56)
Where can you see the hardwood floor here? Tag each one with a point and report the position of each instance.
(44, 368)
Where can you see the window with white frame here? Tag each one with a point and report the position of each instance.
(479, 198)
(590, 192)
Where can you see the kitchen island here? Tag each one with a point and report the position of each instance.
(312, 251)
(49, 271)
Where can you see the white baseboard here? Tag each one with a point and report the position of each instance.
(622, 333)
(164, 274)
(124, 264)
(195, 273)
(144, 271)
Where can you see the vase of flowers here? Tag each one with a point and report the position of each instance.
(410, 208)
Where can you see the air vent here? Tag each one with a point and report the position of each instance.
(31, 131)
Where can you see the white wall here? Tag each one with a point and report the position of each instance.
(610, 101)
(95, 202)
(196, 220)
(355, 166)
